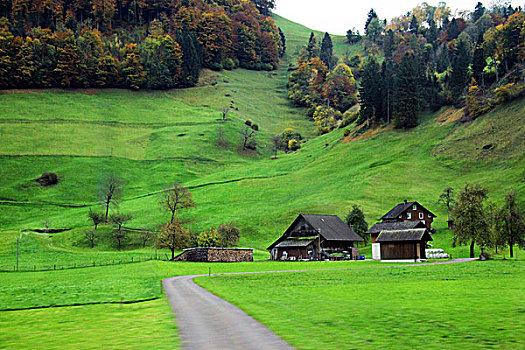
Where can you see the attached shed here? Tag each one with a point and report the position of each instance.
(376, 229)
(407, 244)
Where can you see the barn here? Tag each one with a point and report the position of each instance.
(403, 245)
(315, 237)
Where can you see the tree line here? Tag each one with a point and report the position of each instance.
(173, 234)
(432, 60)
(425, 59)
(140, 44)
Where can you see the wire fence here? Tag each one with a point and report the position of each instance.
(77, 265)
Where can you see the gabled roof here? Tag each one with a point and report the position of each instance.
(296, 242)
(410, 235)
(398, 225)
(401, 208)
(331, 228)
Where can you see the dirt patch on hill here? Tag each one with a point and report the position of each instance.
(207, 77)
(450, 115)
(368, 134)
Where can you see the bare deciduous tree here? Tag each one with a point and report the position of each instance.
(225, 111)
(120, 219)
(447, 198)
(110, 192)
(96, 217)
(248, 137)
(145, 237)
(277, 142)
(91, 236)
(175, 198)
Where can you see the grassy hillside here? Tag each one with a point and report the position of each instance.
(152, 139)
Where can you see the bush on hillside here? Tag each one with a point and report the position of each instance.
(47, 179)
(348, 118)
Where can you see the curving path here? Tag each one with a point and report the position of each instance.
(206, 321)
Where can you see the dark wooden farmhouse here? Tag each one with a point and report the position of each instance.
(407, 244)
(315, 237)
(409, 211)
(404, 217)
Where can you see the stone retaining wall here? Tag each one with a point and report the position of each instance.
(216, 255)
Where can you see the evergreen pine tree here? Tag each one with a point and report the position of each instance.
(388, 44)
(478, 61)
(370, 91)
(371, 15)
(313, 48)
(327, 51)
(459, 73)
(192, 58)
(479, 11)
(283, 43)
(432, 32)
(387, 78)
(452, 30)
(413, 27)
(406, 91)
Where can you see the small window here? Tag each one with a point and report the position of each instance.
(414, 207)
(421, 215)
(400, 216)
(409, 216)
(429, 216)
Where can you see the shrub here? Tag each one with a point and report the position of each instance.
(229, 234)
(346, 132)
(248, 122)
(348, 118)
(325, 118)
(508, 92)
(293, 145)
(286, 136)
(215, 66)
(209, 238)
(228, 64)
(255, 126)
(476, 102)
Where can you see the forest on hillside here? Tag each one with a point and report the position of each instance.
(427, 58)
(132, 44)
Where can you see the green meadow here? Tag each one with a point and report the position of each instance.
(119, 306)
(152, 139)
(477, 305)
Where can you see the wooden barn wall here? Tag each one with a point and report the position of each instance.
(398, 250)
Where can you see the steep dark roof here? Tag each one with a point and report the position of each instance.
(400, 209)
(410, 235)
(332, 228)
(295, 242)
(398, 225)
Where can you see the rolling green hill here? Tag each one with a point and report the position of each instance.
(153, 139)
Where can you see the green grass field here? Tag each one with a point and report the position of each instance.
(153, 139)
(45, 316)
(476, 305)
